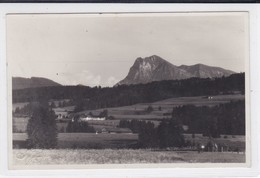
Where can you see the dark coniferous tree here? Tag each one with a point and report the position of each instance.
(41, 127)
(170, 134)
(147, 136)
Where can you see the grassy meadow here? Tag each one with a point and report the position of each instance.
(137, 111)
(233, 142)
(121, 156)
(125, 140)
(89, 140)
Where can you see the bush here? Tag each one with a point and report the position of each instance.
(104, 113)
(170, 134)
(111, 118)
(149, 109)
(79, 126)
(41, 127)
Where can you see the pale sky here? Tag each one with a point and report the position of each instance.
(100, 49)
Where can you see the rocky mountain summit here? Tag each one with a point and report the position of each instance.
(154, 68)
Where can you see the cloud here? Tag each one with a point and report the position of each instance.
(88, 78)
(111, 81)
(84, 77)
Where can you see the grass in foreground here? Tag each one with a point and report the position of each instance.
(122, 156)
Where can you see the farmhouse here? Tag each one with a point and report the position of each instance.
(89, 118)
(185, 127)
(62, 113)
(85, 118)
(208, 97)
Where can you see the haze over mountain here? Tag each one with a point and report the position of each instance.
(144, 70)
(154, 68)
(33, 82)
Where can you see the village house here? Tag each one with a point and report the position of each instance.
(63, 113)
(89, 118)
(85, 118)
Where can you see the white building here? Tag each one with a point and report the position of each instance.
(88, 118)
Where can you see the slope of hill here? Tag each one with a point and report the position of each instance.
(204, 71)
(154, 68)
(34, 82)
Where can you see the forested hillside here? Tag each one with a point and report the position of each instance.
(97, 97)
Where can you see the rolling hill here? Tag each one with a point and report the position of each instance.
(33, 82)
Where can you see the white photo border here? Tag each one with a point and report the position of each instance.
(254, 79)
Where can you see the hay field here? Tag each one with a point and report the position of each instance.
(124, 140)
(234, 142)
(88, 140)
(121, 156)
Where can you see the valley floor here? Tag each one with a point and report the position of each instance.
(121, 156)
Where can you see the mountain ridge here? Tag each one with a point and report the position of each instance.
(33, 82)
(155, 68)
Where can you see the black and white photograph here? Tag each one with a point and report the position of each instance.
(128, 88)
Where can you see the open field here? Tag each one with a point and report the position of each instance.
(20, 123)
(137, 111)
(231, 138)
(235, 142)
(87, 140)
(121, 156)
(200, 100)
(124, 140)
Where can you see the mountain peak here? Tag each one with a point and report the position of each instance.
(155, 68)
(149, 59)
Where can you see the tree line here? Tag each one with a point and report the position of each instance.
(227, 118)
(169, 133)
(81, 127)
(94, 98)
